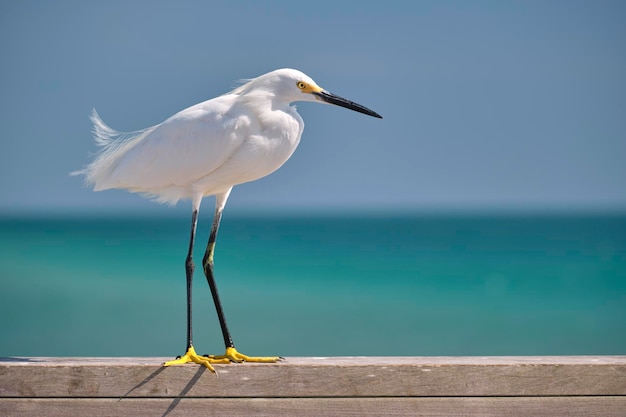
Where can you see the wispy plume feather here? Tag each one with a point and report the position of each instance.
(112, 143)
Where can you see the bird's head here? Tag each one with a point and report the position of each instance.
(292, 85)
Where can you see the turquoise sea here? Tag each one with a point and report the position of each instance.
(317, 286)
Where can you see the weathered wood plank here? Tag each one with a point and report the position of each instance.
(315, 407)
(316, 377)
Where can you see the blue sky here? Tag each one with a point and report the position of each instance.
(487, 105)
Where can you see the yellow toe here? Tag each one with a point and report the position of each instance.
(192, 357)
(233, 356)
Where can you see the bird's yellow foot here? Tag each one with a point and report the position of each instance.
(192, 356)
(232, 355)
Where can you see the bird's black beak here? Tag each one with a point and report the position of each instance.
(340, 101)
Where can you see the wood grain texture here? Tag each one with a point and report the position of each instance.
(316, 407)
(316, 377)
(342, 386)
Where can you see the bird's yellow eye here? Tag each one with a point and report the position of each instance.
(301, 85)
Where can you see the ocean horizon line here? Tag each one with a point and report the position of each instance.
(340, 212)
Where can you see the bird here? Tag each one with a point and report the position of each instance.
(205, 150)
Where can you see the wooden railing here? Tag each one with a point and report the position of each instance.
(299, 387)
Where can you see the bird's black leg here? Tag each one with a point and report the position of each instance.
(231, 354)
(207, 263)
(189, 268)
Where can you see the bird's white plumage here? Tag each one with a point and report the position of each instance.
(207, 148)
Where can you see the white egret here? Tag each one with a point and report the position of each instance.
(205, 150)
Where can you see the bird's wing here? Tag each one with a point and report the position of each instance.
(181, 150)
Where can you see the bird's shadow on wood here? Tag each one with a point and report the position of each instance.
(180, 396)
(144, 382)
(185, 390)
